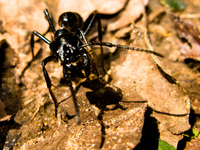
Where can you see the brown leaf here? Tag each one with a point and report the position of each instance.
(131, 10)
(26, 17)
(107, 127)
(188, 30)
(171, 105)
(2, 111)
(85, 8)
(111, 116)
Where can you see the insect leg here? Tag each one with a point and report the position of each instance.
(48, 81)
(90, 53)
(100, 39)
(41, 37)
(32, 44)
(49, 20)
(90, 21)
(75, 102)
(66, 76)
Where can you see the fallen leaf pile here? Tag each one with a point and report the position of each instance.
(142, 96)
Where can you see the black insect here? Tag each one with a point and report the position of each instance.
(72, 49)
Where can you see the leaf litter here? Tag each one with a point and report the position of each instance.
(112, 115)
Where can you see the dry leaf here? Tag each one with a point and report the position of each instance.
(131, 10)
(26, 17)
(85, 8)
(113, 116)
(188, 30)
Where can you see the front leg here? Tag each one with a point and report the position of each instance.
(73, 93)
(48, 81)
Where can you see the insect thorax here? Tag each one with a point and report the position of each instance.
(67, 47)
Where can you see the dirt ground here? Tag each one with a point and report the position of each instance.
(143, 101)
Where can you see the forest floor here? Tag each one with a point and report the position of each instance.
(143, 101)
